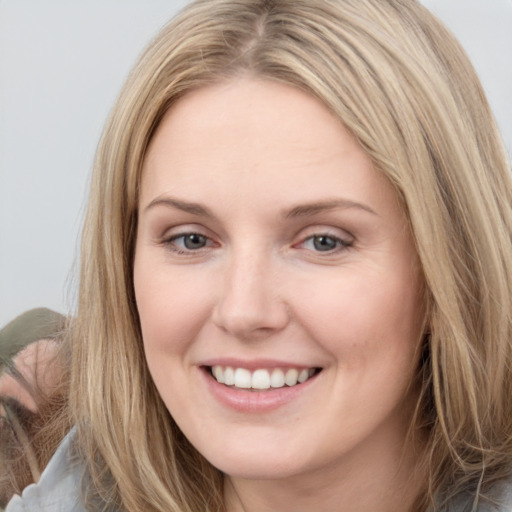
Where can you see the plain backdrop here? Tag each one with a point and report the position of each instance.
(62, 63)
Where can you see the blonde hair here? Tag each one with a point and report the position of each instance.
(402, 85)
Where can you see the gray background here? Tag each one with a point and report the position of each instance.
(62, 63)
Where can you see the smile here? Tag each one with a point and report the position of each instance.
(261, 379)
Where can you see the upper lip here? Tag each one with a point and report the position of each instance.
(255, 364)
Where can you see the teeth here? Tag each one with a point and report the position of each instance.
(243, 378)
(218, 374)
(261, 378)
(277, 378)
(291, 377)
(303, 376)
(229, 375)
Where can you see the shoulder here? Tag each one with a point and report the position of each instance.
(498, 499)
(502, 493)
(58, 489)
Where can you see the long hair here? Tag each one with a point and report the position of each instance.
(403, 86)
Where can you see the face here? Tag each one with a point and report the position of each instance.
(278, 289)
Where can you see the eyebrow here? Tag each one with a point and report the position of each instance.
(188, 207)
(302, 210)
(309, 209)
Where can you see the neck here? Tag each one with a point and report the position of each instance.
(384, 480)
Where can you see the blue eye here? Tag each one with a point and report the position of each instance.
(325, 243)
(189, 241)
(194, 241)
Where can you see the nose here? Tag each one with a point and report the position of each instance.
(250, 304)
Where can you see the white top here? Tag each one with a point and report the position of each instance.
(58, 489)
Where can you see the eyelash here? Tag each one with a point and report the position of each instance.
(340, 243)
(171, 243)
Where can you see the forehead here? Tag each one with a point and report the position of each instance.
(245, 135)
(248, 115)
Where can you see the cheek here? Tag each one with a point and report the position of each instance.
(371, 329)
(357, 316)
(172, 309)
(172, 306)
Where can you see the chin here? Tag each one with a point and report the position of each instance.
(258, 470)
(256, 464)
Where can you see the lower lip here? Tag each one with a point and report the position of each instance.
(250, 401)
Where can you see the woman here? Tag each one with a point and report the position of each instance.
(295, 283)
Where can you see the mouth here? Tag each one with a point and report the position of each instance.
(261, 379)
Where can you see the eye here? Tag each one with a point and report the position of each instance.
(325, 243)
(193, 241)
(188, 242)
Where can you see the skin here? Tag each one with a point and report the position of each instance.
(256, 155)
(34, 363)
